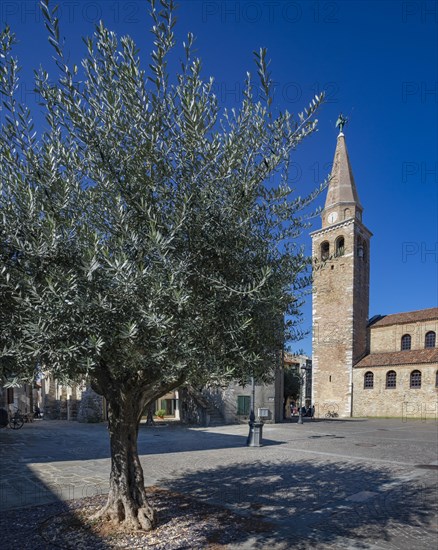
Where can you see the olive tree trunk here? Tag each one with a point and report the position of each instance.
(127, 504)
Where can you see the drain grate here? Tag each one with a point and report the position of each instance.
(427, 466)
(365, 445)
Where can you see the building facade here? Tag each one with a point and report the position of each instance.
(23, 398)
(233, 402)
(385, 367)
(399, 377)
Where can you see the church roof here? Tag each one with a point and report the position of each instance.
(342, 188)
(397, 358)
(430, 314)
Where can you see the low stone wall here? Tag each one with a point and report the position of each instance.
(73, 406)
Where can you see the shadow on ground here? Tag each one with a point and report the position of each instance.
(320, 504)
(26, 502)
(58, 441)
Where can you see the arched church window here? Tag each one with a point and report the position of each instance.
(347, 213)
(406, 342)
(364, 251)
(415, 379)
(430, 339)
(325, 251)
(391, 379)
(368, 381)
(340, 246)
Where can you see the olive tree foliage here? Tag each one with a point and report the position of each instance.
(146, 238)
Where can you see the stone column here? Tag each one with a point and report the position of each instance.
(51, 403)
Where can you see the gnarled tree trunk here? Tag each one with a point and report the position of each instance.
(127, 505)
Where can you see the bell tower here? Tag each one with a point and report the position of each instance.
(341, 269)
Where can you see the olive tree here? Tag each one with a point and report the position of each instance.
(147, 239)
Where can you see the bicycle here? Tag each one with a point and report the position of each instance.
(14, 421)
(331, 414)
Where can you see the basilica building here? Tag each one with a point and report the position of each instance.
(386, 366)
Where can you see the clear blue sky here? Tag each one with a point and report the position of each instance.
(377, 61)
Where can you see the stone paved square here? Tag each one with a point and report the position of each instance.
(325, 484)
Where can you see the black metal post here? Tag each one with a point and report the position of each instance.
(255, 427)
(300, 416)
(252, 413)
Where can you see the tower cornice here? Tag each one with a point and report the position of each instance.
(337, 226)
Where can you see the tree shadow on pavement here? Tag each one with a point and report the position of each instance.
(321, 504)
(26, 501)
(188, 440)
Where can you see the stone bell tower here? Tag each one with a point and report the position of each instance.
(341, 273)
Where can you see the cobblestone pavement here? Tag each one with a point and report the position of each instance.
(324, 484)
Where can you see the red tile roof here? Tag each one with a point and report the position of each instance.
(430, 314)
(408, 357)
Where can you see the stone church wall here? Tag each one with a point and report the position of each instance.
(388, 339)
(399, 402)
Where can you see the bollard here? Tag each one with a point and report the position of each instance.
(255, 435)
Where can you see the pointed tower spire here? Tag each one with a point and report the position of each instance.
(342, 200)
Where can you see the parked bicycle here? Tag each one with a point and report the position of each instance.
(331, 414)
(14, 421)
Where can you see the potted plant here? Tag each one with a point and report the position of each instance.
(160, 413)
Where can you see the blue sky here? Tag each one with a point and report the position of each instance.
(377, 61)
